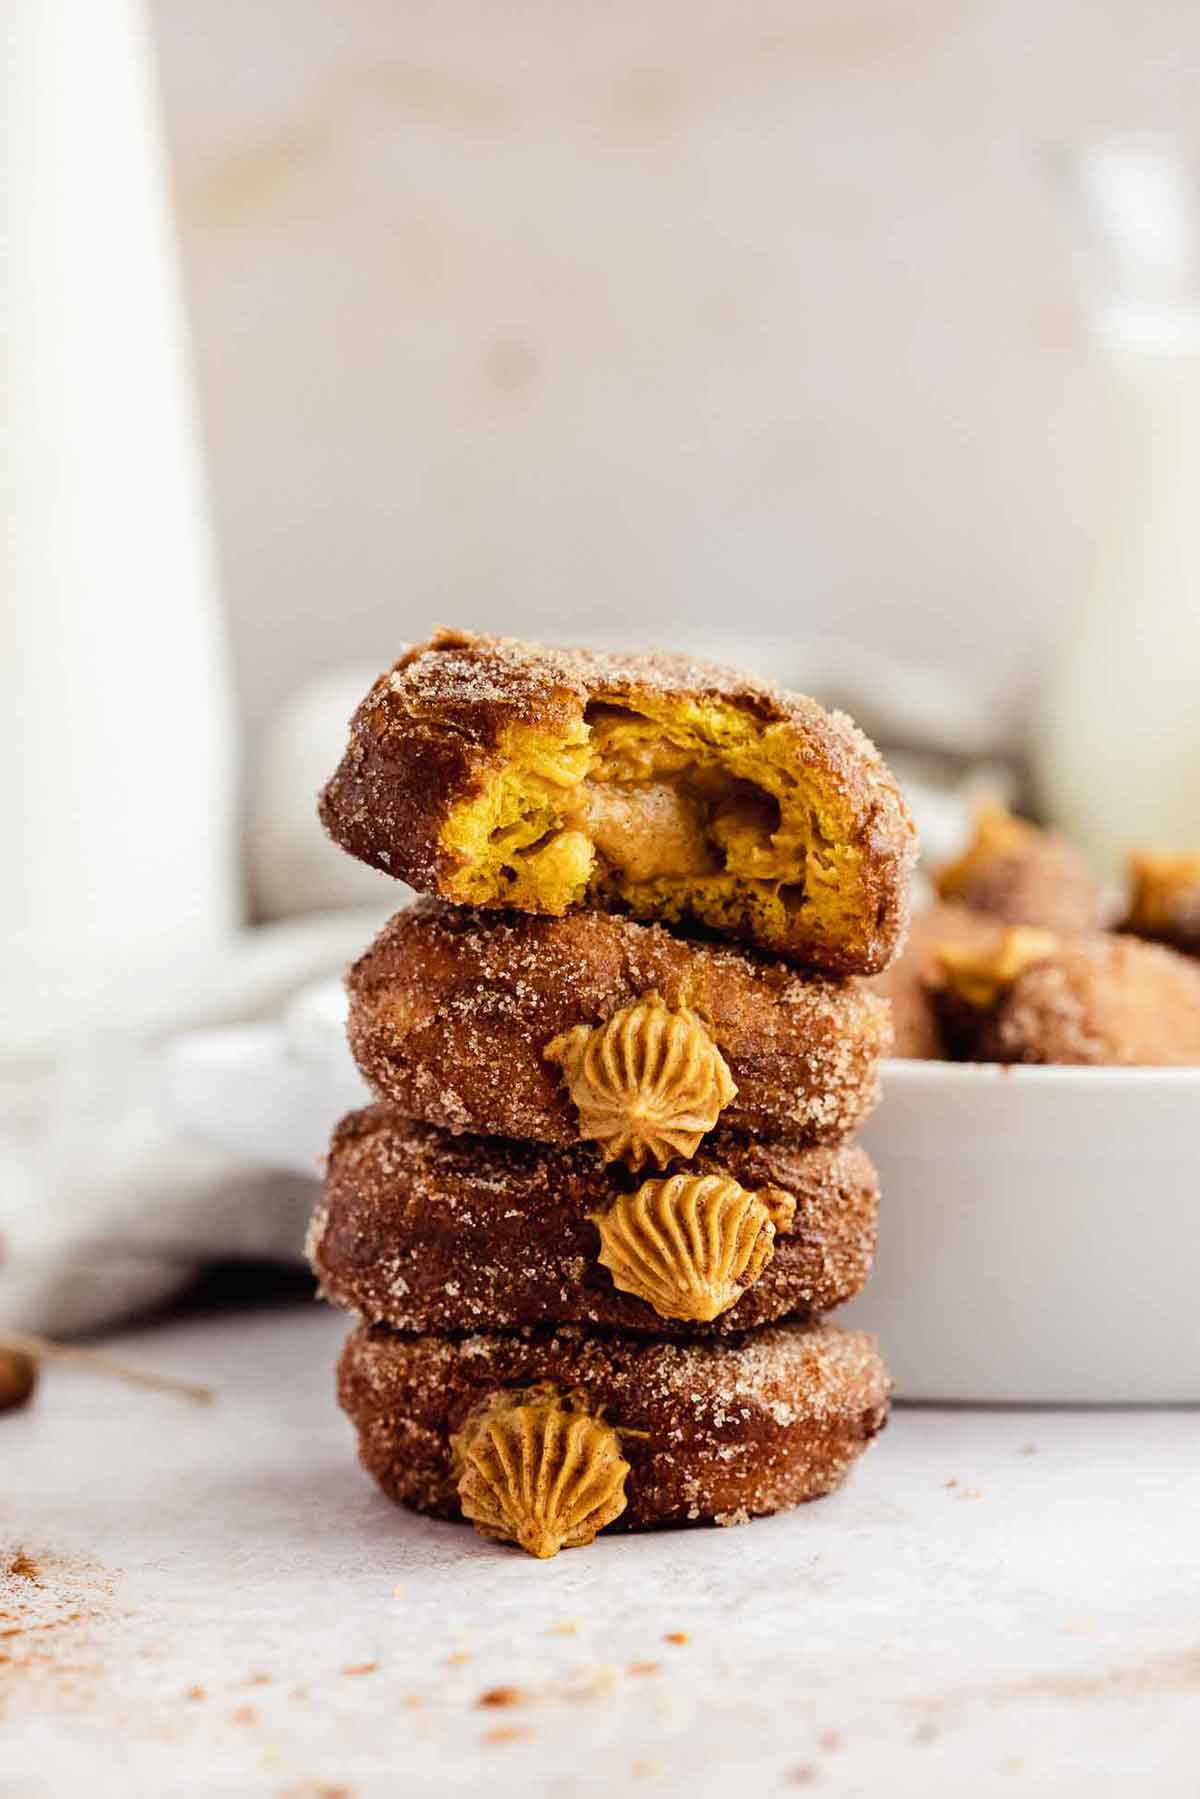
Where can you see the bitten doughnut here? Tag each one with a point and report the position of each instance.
(422, 1230)
(545, 1437)
(499, 774)
(1020, 874)
(1164, 903)
(1101, 1000)
(602, 1029)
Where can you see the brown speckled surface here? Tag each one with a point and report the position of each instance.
(733, 1430)
(1103, 1000)
(426, 1231)
(451, 1009)
(1041, 880)
(915, 1020)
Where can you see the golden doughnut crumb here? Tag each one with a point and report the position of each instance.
(980, 976)
(536, 1469)
(504, 775)
(675, 808)
(648, 1084)
(691, 1245)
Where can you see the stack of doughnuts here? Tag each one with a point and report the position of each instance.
(607, 1190)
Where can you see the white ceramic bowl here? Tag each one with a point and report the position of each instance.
(1040, 1234)
(269, 1092)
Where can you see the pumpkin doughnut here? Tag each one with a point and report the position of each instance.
(1164, 901)
(909, 983)
(598, 1028)
(1101, 1000)
(545, 1437)
(500, 774)
(1018, 873)
(422, 1230)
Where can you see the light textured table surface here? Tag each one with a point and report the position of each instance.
(999, 1602)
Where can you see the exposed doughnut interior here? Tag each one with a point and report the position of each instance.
(678, 809)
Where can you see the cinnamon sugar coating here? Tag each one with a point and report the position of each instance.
(1018, 873)
(732, 1429)
(422, 1230)
(452, 1010)
(1102, 1000)
(510, 775)
(908, 983)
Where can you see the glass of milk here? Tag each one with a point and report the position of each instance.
(1119, 744)
(116, 818)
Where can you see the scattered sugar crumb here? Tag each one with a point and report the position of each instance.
(504, 1696)
(508, 1733)
(676, 1636)
(361, 1668)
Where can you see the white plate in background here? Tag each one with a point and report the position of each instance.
(1040, 1234)
(269, 1092)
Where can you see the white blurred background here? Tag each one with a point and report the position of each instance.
(644, 321)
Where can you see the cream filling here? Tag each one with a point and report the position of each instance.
(648, 831)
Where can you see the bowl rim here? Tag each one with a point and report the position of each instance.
(912, 1071)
